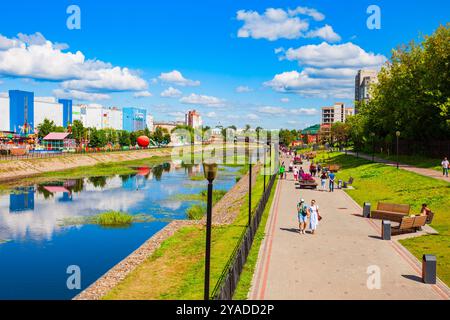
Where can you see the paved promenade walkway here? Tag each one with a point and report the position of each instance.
(422, 171)
(333, 263)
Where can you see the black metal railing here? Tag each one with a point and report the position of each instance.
(228, 280)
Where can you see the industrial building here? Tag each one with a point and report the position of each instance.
(22, 112)
(134, 119)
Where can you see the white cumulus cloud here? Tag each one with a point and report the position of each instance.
(79, 95)
(340, 55)
(243, 89)
(276, 23)
(326, 33)
(143, 94)
(33, 56)
(175, 77)
(328, 70)
(209, 101)
(171, 92)
(273, 24)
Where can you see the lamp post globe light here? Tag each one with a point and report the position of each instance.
(398, 136)
(210, 172)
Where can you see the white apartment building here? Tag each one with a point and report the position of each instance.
(112, 118)
(149, 122)
(4, 114)
(337, 113)
(363, 81)
(47, 108)
(99, 117)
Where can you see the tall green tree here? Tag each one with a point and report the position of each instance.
(78, 131)
(46, 127)
(413, 93)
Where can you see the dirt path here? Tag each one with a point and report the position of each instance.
(422, 171)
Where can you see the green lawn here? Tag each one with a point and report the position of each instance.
(176, 269)
(377, 182)
(245, 280)
(417, 161)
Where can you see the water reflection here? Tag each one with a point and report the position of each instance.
(31, 218)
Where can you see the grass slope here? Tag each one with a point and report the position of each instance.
(245, 280)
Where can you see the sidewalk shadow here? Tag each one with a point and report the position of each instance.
(376, 237)
(412, 278)
(293, 230)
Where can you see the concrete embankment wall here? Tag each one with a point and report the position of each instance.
(17, 169)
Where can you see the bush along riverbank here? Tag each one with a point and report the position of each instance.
(108, 219)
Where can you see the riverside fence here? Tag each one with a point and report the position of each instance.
(226, 285)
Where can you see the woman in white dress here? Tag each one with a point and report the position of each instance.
(313, 216)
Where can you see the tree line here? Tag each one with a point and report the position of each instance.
(411, 98)
(99, 138)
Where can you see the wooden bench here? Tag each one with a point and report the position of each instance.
(390, 211)
(430, 217)
(334, 168)
(409, 224)
(348, 183)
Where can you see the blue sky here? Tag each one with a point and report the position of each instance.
(292, 60)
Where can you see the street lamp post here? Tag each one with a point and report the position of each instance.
(373, 146)
(356, 144)
(250, 192)
(398, 136)
(264, 173)
(210, 171)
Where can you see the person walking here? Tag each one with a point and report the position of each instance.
(282, 170)
(302, 210)
(331, 176)
(295, 170)
(313, 216)
(323, 180)
(445, 166)
(312, 169)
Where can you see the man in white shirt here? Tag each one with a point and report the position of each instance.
(445, 165)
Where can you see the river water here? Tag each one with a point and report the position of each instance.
(39, 248)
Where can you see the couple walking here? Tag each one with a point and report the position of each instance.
(323, 180)
(306, 213)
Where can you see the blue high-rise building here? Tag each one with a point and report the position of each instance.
(134, 119)
(22, 200)
(67, 111)
(21, 115)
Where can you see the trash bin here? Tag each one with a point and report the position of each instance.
(386, 230)
(429, 269)
(366, 210)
